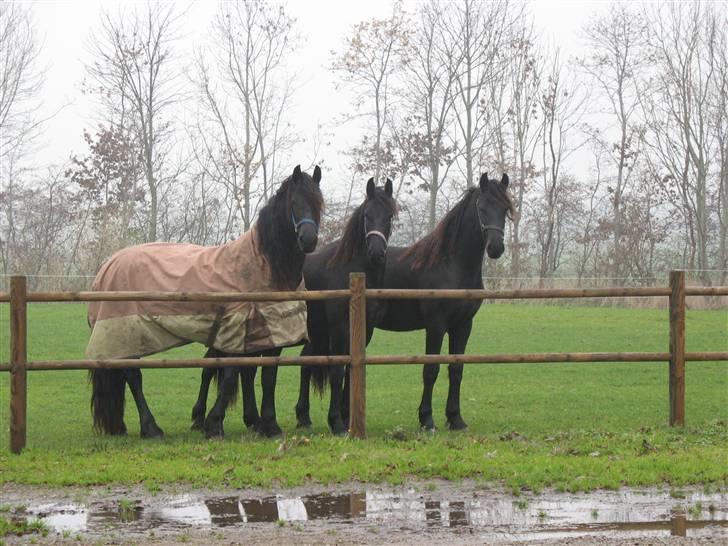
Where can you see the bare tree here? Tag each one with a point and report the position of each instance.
(43, 224)
(370, 57)
(427, 97)
(589, 236)
(562, 108)
(615, 59)
(133, 76)
(677, 113)
(245, 93)
(478, 30)
(20, 77)
(718, 121)
(21, 80)
(514, 101)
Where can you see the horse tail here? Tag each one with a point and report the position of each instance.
(107, 400)
(235, 387)
(320, 379)
(319, 374)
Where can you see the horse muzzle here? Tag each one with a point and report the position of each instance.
(307, 239)
(494, 249)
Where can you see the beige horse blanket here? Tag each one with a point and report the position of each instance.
(133, 329)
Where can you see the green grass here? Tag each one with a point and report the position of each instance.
(21, 526)
(568, 426)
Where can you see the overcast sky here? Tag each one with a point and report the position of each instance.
(65, 28)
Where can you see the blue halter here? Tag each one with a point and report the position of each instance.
(298, 224)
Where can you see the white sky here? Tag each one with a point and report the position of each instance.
(65, 27)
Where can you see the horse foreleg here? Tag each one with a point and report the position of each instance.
(200, 407)
(303, 406)
(250, 406)
(429, 376)
(225, 394)
(147, 424)
(458, 342)
(268, 425)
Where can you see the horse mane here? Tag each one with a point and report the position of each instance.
(276, 235)
(353, 237)
(439, 246)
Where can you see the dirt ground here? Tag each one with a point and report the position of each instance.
(419, 513)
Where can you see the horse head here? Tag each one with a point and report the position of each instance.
(493, 205)
(378, 211)
(305, 204)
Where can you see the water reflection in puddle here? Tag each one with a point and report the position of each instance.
(491, 516)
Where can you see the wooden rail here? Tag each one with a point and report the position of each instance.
(357, 294)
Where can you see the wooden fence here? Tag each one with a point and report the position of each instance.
(357, 294)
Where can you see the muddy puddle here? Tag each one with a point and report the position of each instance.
(439, 511)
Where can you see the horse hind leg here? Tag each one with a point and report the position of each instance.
(226, 393)
(268, 425)
(147, 424)
(458, 342)
(250, 406)
(200, 407)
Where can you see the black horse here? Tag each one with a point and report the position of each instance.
(363, 247)
(451, 257)
(288, 228)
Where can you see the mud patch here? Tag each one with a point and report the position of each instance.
(425, 512)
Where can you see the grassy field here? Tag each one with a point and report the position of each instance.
(568, 426)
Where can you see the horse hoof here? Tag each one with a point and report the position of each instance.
(152, 432)
(426, 422)
(269, 430)
(197, 424)
(339, 430)
(213, 429)
(457, 423)
(118, 432)
(304, 426)
(251, 424)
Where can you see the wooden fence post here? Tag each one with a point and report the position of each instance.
(18, 360)
(357, 351)
(677, 348)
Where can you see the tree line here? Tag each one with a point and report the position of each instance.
(618, 157)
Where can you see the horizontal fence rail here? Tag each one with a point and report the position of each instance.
(540, 358)
(300, 295)
(18, 297)
(540, 293)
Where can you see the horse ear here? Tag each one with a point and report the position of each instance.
(370, 188)
(317, 175)
(504, 180)
(388, 188)
(297, 173)
(483, 181)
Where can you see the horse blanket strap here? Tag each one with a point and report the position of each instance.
(126, 329)
(215, 327)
